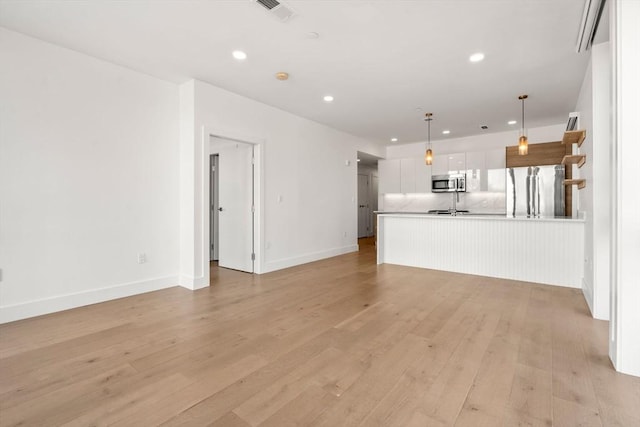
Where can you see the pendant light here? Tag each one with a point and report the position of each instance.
(428, 155)
(523, 144)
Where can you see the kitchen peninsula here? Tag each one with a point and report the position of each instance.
(541, 250)
(541, 239)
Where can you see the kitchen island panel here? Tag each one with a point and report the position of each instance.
(532, 250)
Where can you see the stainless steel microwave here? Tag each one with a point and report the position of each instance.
(454, 183)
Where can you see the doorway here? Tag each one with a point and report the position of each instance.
(232, 204)
(367, 194)
(364, 221)
(214, 180)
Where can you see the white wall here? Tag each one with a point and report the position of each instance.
(192, 272)
(594, 106)
(303, 165)
(584, 106)
(479, 142)
(624, 348)
(88, 179)
(99, 163)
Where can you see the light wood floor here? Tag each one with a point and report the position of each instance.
(340, 342)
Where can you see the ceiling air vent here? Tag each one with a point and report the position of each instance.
(278, 9)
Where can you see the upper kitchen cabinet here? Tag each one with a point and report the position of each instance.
(440, 165)
(389, 176)
(404, 176)
(448, 163)
(422, 176)
(496, 164)
(457, 162)
(407, 176)
(476, 171)
(486, 170)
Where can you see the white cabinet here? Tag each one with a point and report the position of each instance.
(486, 170)
(422, 176)
(456, 162)
(440, 165)
(476, 171)
(448, 163)
(496, 173)
(496, 159)
(407, 176)
(389, 176)
(404, 176)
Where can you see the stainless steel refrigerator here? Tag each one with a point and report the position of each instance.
(535, 191)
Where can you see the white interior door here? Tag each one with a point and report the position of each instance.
(235, 231)
(363, 206)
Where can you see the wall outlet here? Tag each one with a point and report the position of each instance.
(142, 258)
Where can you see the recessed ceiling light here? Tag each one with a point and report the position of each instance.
(476, 57)
(512, 122)
(239, 55)
(394, 139)
(358, 160)
(282, 75)
(446, 132)
(328, 98)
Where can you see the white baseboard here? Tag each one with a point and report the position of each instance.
(270, 266)
(10, 313)
(193, 283)
(587, 291)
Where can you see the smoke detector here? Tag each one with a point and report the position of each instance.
(278, 9)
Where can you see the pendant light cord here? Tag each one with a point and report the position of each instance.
(522, 98)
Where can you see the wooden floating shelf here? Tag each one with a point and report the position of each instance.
(574, 137)
(581, 183)
(574, 159)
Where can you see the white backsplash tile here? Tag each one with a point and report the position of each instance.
(481, 202)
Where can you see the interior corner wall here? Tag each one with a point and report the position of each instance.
(88, 179)
(584, 106)
(601, 184)
(310, 206)
(192, 274)
(594, 106)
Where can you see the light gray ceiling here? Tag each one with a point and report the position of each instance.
(385, 62)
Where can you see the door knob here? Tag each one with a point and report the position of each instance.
(220, 209)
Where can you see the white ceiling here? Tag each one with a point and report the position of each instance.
(385, 62)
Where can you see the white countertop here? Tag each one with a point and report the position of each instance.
(482, 216)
